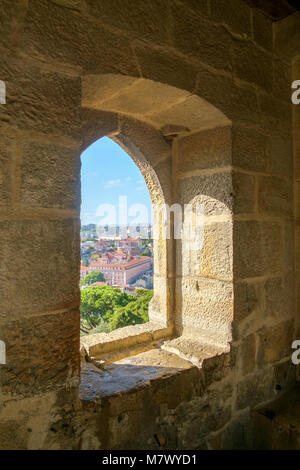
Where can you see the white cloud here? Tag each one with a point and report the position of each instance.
(112, 183)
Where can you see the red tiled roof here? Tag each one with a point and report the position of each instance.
(84, 268)
(122, 266)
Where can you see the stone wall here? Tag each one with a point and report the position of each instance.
(199, 96)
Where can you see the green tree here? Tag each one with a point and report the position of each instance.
(99, 303)
(146, 252)
(85, 262)
(90, 278)
(134, 312)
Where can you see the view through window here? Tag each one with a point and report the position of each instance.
(116, 272)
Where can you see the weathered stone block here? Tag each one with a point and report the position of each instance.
(7, 150)
(297, 197)
(163, 260)
(214, 258)
(280, 297)
(262, 29)
(276, 115)
(50, 176)
(14, 434)
(275, 196)
(145, 99)
(205, 305)
(75, 5)
(248, 148)
(66, 38)
(160, 306)
(42, 353)
(256, 388)
(200, 6)
(252, 64)
(196, 37)
(46, 102)
(7, 15)
(205, 149)
(236, 14)
(238, 434)
(238, 101)
(282, 80)
(279, 153)
(246, 355)
(199, 417)
(217, 368)
(40, 266)
(246, 299)
(158, 179)
(147, 21)
(254, 246)
(244, 193)
(96, 124)
(191, 113)
(275, 342)
(286, 36)
(214, 191)
(163, 67)
(285, 375)
(143, 141)
(289, 246)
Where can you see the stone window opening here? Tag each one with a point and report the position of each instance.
(119, 227)
(182, 145)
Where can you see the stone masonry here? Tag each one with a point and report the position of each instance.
(199, 95)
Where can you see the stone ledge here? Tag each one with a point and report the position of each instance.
(124, 339)
(113, 374)
(130, 374)
(193, 350)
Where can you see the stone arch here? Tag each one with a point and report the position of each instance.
(163, 128)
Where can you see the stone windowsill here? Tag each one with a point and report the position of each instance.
(120, 342)
(119, 372)
(131, 374)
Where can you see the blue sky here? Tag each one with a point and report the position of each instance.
(108, 172)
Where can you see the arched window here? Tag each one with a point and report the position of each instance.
(182, 146)
(116, 273)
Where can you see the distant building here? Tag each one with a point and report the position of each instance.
(122, 272)
(96, 284)
(101, 246)
(131, 246)
(83, 271)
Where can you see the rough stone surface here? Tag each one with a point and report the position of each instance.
(214, 191)
(42, 353)
(248, 149)
(275, 196)
(198, 93)
(262, 240)
(50, 104)
(257, 387)
(50, 176)
(6, 158)
(45, 274)
(206, 149)
(275, 342)
(246, 299)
